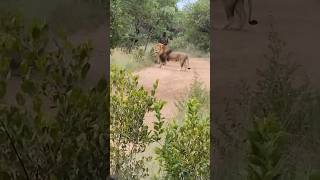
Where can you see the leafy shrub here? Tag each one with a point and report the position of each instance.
(56, 128)
(267, 142)
(198, 23)
(196, 91)
(185, 152)
(293, 102)
(139, 55)
(129, 134)
(178, 43)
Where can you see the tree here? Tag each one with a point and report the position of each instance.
(135, 23)
(198, 23)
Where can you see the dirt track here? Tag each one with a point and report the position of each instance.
(174, 83)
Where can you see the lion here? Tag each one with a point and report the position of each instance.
(237, 6)
(166, 54)
(157, 48)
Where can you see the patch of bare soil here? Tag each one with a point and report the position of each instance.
(173, 83)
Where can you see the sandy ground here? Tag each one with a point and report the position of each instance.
(173, 83)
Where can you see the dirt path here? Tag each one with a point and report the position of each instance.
(173, 83)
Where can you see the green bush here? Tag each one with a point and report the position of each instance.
(295, 104)
(185, 153)
(266, 147)
(56, 128)
(129, 133)
(196, 91)
(178, 43)
(198, 23)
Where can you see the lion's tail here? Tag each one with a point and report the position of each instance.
(250, 20)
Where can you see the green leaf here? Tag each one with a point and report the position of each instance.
(4, 175)
(36, 32)
(4, 65)
(84, 70)
(20, 99)
(3, 89)
(24, 68)
(37, 104)
(315, 175)
(28, 87)
(53, 177)
(102, 85)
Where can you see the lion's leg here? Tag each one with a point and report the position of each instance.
(187, 63)
(240, 10)
(182, 61)
(229, 7)
(230, 22)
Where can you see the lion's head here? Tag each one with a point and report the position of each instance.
(159, 48)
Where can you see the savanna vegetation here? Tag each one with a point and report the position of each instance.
(271, 131)
(135, 27)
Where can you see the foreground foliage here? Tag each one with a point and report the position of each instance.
(55, 129)
(130, 135)
(185, 152)
(295, 107)
(267, 142)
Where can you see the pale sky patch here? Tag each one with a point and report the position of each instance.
(182, 3)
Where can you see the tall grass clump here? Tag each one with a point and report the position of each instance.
(134, 60)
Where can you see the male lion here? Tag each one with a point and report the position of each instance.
(157, 48)
(167, 55)
(237, 6)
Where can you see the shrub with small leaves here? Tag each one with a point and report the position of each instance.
(267, 142)
(56, 129)
(129, 133)
(185, 153)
